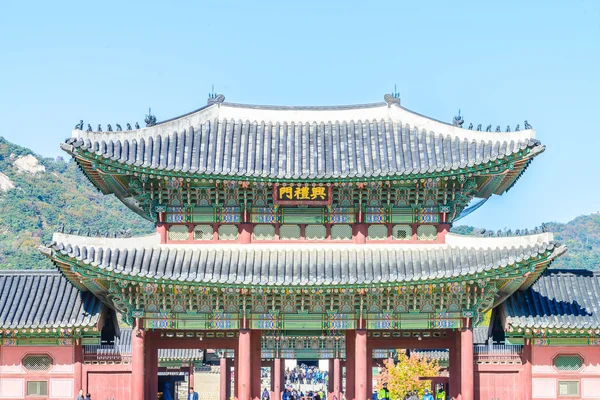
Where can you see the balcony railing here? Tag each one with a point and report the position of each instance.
(497, 354)
(106, 352)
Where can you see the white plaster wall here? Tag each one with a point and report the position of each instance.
(544, 388)
(61, 388)
(12, 388)
(590, 388)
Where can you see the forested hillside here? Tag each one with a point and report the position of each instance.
(39, 194)
(581, 236)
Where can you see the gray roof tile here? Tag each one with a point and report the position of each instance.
(559, 299)
(44, 299)
(288, 150)
(302, 265)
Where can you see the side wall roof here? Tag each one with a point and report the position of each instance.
(559, 299)
(44, 299)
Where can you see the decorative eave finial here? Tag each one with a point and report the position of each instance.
(458, 120)
(214, 98)
(393, 98)
(150, 119)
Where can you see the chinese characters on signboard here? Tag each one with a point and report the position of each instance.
(302, 194)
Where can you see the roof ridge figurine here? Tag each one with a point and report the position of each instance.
(150, 119)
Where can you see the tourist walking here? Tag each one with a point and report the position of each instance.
(266, 395)
(384, 393)
(427, 395)
(80, 396)
(192, 395)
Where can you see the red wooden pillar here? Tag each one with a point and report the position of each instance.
(466, 364)
(350, 362)
(151, 363)
(161, 229)
(369, 372)
(244, 382)
(137, 362)
(454, 367)
(77, 368)
(153, 368)
(245, 231)
(256, 364)
(361, 365)
(228, 365)
(330, 379)
(336, 377)
(147, 363)
(360, 233)
(277, 378)
(236, 376)
(192, 378)
(526, 381)
(224, 374)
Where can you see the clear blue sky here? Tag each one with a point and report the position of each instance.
(499, 62)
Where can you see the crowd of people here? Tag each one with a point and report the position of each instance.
(384, 394)
(304, 374)
(291, 393)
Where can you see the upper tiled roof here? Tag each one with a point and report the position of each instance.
(44, 299)
(300, 264)
(303, 143)
(559, 299)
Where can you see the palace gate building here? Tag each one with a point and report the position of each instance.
(314, 233)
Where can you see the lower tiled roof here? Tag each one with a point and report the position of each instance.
(302, 264)
(559, 299)
(44, 299)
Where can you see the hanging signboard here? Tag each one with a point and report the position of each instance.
(302, 194)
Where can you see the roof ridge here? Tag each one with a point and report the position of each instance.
(572, 271)
(29, 272)
(314, 108)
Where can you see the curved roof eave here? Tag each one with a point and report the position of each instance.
(505, 252)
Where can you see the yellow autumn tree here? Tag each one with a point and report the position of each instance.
(403, 376)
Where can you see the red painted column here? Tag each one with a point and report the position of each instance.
(277, 378)
(236, 375)
(192, 379)
(361, 365)
(228, 364)
(369, 373)
(360, 233)
(350, 363)
(147, 363)
(77, 368)
(466, 364)
(151, 365)
(330, 379)
(454, 366)
(137, 362)
(526, 382)
(153, 368)
(255, 356)
(244, 382)
(245, 232)
(224, 374)
(336, 377)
